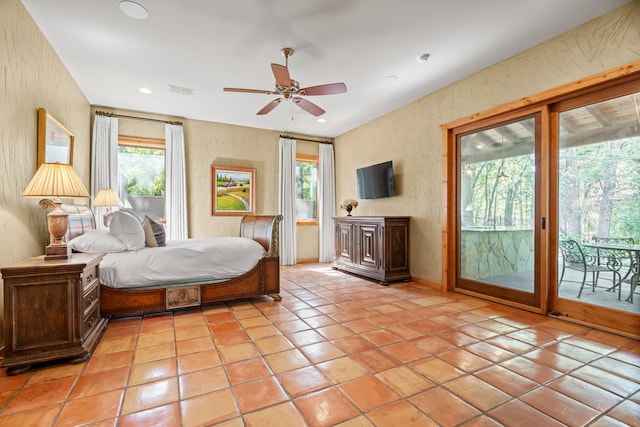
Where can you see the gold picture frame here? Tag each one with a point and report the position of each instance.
(55, 142)
(233, 190)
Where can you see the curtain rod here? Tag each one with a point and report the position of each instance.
(104, 113)
(306, 139)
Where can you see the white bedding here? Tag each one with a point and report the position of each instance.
(181, 261)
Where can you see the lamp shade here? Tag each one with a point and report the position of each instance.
(107, 198)
(55, 180)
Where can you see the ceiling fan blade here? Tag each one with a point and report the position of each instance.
(308, 106)
(235, 89)
(328, 89)
(270, 106)
(281, 73)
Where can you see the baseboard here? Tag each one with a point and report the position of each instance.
(435, 285)
(307, 261)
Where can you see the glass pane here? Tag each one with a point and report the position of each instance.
(497, 206)
(599, 190)
(141, 180)
(306, 190)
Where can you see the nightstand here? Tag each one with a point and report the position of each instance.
(51, 310)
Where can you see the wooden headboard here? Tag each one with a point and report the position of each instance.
(81, 217)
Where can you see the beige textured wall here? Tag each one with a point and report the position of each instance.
(411, 136)
(31, 76)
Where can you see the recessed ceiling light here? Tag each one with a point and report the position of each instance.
(145, 90)
(322, 120)
(423, 58)
(133, 10)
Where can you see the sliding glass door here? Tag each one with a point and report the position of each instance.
(597, 162)
(543, 203)
(497, 199)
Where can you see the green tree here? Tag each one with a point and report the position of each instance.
(143, 169)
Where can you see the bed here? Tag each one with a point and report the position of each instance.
(261, 279)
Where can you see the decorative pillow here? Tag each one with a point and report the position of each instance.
(132, 212)
(100, 240)
(154, 234)
(128, 229)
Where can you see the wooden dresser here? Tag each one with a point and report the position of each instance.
(51, 310)
(376, 247)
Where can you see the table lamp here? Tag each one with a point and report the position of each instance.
(107, 198)
(56, 180)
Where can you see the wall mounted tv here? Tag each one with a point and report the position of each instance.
(375, 181)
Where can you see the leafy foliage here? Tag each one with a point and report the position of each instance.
(143, 170)
(306, 190)
(598, 191)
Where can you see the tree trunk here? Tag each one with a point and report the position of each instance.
(570, 197)
(609, 182)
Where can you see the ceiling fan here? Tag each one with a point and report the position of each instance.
(288, 89)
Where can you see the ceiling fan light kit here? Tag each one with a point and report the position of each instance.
(289, 89)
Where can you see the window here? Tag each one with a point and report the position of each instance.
(141, 176)
(306, 189)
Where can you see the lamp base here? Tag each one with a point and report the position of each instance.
(56, 251)
(58, 221)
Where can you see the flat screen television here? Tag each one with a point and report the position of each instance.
(375, 181)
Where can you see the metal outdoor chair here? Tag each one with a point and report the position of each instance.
(574, 258)
(624, 256)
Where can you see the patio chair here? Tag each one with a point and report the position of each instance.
(574, 258)
(624, 256)
(633, 278)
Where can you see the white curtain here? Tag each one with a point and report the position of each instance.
(287, 201)
(104, 160)
(175, 183)
(326, 202)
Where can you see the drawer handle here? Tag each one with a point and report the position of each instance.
(90, 299)
(90, 322)
(90, 278)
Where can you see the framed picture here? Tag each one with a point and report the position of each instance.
(55, 142)
(233, 190)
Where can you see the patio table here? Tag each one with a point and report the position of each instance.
(634, 266)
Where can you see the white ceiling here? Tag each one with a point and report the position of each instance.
(206, 45)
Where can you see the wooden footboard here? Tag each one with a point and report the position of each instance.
(263, 279)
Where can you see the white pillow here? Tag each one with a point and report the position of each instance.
(128, 229)
(132, 212)
(100, 240)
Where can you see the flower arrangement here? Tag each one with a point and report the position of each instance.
(348, 205)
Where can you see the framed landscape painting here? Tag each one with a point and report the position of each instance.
(233, 190)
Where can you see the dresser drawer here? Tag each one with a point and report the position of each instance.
(89, 276)
(90, 296)
(91, 319)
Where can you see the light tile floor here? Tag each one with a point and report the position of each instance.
(338, 350)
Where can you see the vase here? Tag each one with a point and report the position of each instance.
(349, 209)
